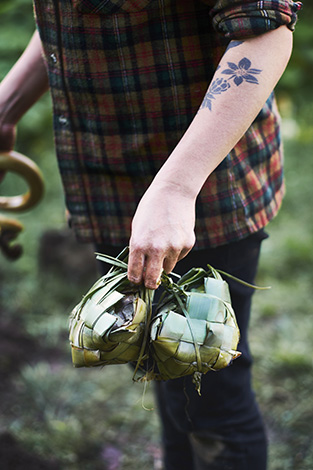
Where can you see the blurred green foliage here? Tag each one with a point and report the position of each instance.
(298, 76)
(75, 418)
(16, 27)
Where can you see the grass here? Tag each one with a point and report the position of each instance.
(75, 415)
(72, 419)
(281, 328)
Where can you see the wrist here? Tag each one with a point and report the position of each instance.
(12, 101)
(173, 184)
(8, 112)
(7, 137)
(186, 169)
(8, 120)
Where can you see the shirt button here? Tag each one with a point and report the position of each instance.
(63, 121)
(53, 58)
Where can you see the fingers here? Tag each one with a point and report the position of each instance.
(147, 265)
(170, 260)
(153, 270)
(162, 233)
(145, 269)
(136, 263)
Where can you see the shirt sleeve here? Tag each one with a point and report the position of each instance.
(238, 19)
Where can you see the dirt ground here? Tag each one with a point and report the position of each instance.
(16, 349)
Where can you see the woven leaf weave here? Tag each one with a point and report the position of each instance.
(108, 326)
(195, 328)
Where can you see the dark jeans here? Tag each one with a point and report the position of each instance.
(222, 429)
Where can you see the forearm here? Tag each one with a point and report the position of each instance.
(163, 226)
(24, 84)
(225, 116)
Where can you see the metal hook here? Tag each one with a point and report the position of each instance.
(10, 228)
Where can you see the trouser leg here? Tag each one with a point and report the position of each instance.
(223, 428)
(177, 448)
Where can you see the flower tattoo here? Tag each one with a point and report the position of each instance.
(242, 72)
(234, 44)
(239, 73)
(217, 87)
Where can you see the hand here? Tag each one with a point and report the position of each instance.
(162, 234)
(7, 140)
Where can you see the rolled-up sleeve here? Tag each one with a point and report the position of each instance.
(238, 19)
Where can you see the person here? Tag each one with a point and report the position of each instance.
(167, 137)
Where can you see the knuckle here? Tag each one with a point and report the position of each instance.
(156, 248)
(134, 248)
(175, 248)
(191, 241)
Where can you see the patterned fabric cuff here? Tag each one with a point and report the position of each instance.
(245, 18)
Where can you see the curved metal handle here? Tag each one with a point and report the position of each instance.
(9, 230)
(18, 163)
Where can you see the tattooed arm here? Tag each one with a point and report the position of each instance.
(163, 226)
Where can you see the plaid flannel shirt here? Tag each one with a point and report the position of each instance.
(127, 77)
